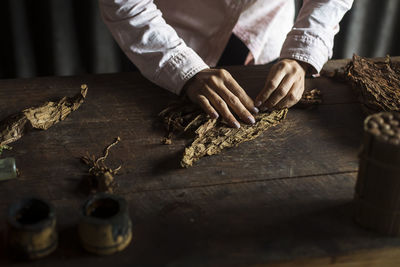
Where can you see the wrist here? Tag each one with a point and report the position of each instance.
(187, 84)
(304, 65)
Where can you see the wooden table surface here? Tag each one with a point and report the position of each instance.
(286, 196)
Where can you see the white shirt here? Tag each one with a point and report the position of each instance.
(172, 40)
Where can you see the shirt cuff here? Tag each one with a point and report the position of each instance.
(306, 48)
(179, 69)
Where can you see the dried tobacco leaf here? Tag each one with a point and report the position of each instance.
(180, 117)
(378, 83)
(309, 99)
(101, 177)
(43, 117)
(213, 136)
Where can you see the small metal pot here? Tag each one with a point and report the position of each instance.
(32, 229)
(105, 227)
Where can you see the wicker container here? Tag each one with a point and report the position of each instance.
(105, 227)
(31, 229)
(377, 193)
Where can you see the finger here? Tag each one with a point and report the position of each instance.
(281, 92)
(274, 79)
(235, 104)
(246, 100)
(222, 108)
(291, 98)
(206, 106)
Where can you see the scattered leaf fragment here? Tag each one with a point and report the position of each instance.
(310, 98)
(43, 117)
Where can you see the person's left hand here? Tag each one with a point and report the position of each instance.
(284, 86)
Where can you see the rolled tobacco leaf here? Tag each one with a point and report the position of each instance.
(213, 136)
(43, 117)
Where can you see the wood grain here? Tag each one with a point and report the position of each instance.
(280, 197)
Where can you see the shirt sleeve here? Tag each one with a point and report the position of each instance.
(311, 38)
(150, 43)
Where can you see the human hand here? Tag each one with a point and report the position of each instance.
(284, 85)
(217, 93)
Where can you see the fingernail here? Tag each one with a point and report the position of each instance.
(258, 103)
(251, 119)
(237, 125)
(255, 110)
(215, 116)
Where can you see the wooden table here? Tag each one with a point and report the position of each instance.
(286, 196)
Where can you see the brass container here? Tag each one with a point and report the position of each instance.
(105, 227)
(377, 192)
(31, 229)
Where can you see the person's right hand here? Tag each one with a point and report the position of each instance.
(217, 93)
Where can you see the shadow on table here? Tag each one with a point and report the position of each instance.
(185, 240)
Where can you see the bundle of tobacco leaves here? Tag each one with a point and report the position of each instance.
(212, 135)
(43, 117)
(378, 83)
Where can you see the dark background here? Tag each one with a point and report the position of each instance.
(67, 37)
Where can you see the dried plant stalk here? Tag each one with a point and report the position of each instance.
(43, 117)
(378, 83)
(101, 177)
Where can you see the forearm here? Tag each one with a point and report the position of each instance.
(306, 49)
(150, 43)
(311, 39)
